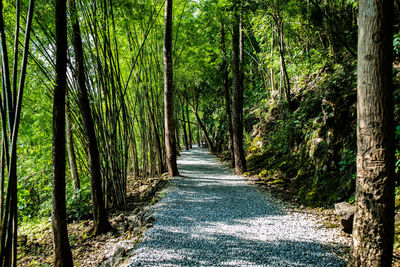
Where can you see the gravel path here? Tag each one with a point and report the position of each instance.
(214, 218)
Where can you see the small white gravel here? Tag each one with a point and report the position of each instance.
(211, 217)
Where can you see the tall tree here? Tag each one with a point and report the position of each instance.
(189, 128)
(170, 141)
(100, 220)
(373, 222)
(284, 74)
(62, 251)
(237, 103)
(185, 135)
(225, 80)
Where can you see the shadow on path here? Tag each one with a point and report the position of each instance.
(211, 217)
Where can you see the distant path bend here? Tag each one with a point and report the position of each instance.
(215, 218)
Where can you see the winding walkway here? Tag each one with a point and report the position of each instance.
(211, 217)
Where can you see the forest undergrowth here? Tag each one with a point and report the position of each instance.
(36, 240)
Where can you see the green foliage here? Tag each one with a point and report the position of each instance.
(397, 223)
(300, 149)
(396, 44)
(397, 153)
(79, 202)
(348, 159)
(34, 153)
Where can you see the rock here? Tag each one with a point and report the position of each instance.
(125, 227)
(149, 220)
(135, 221)
(346, 213)
(143, 188)
(137, 210)
(120, 218)
(119, 256)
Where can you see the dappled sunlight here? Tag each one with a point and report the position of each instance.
(211, 217)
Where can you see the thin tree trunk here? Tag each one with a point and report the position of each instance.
(8, 232)
(194, 108)
(198, 137)
(216, 136)
(144, 150)
(204, 129)
(237, 103)
(156, 136)
(3, 168)
(170, 141)
(374, 218)
(100, 220)
(7, 229)
(8, 248)
(272, 69)
(16, 42)
(189, 127)
(71, 153)
(185, 136)
(62, 251)
(152, 155)
(177, 138)
(241, 48)
(225, 80)
(286, 81)
(135, 161)
(6, 72)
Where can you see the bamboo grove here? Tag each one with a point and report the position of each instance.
(114, 91)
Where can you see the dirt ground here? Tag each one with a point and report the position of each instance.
(35, 242)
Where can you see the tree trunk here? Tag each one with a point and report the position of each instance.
(9, 223)
(152, 156)
(185, 136)
(156, 136)
(178, 139)
(215, 137)
(204, 129)
(198, 137)
(189, 128)
(170, 141)
(374, 218)
(144, 152)
(241, 48)
(62, 251)
(100, 220)
(135, 161)
(237, 103)
(286, 81)
(71, 153)
(272, 69)
(8, 248)
(225, 79)
(2, 177)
